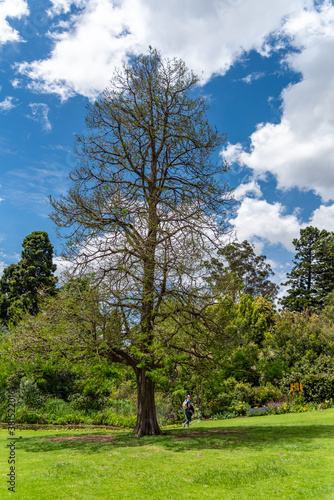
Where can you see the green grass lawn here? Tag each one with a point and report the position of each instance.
(273, 457)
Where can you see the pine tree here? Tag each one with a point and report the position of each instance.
(312, 277)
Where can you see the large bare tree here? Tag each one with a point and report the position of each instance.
(148, 199)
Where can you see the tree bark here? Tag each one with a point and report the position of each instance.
(147, 424)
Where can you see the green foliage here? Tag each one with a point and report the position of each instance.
(296, 335)
(57, 411)
(24, 415)
(224, 415)
(249, 321)
(29, 393)
(240, 408)
(243, 392)
(316, 376)
(252, 271)
(20, 283)
(312, 277)
(264, 394)
(110, 418)
(57, 382)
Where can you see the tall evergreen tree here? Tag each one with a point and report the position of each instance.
(312, 276)
(19, 283)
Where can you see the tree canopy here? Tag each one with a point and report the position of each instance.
(239, 269)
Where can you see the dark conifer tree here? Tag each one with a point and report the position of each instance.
(312, 276)
(19, 283)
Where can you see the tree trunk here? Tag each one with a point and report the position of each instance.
(147, 424)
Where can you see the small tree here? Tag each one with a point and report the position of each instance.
(20, 282)
(147, 202)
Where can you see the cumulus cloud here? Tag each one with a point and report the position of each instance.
(100, 34)
(323, 217)
(39, 113)
(11, 9)
(251, 187)
(7, 104)
(63, 6)
(261, 222)
(299, 150)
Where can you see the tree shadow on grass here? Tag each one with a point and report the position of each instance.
(257, 438)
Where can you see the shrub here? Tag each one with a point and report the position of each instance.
(109, 418)
(29, 394)
(224, 400)
(243, 392)
(265, 393)
(316, 376)
(26, 416)
(87, 401)
(240, 408)
(125, 391)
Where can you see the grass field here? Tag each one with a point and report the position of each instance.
(273, 457)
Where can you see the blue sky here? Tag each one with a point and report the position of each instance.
(267, 68)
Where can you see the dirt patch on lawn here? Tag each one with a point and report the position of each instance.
(91, 438)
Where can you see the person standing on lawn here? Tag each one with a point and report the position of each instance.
(188, 410)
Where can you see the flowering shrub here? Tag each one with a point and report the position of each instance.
(240, 408)
(265, 393)
(213, 406)
(257, 412)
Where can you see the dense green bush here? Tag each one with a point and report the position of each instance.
(24, 415)
(316, 376)
(110, 418)
(243, 392)
(265, 393)
(88, 402)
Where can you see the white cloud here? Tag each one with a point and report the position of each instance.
(209, 36)
(16, 83)
(7, 104)
(39, 113)
(323, 218)
(251, 187)
(261, 222)
(11, 9)
(252, 77)
(2, 266)
(299, 150)
(63, 6)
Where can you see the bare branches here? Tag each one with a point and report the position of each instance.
(147, 203)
